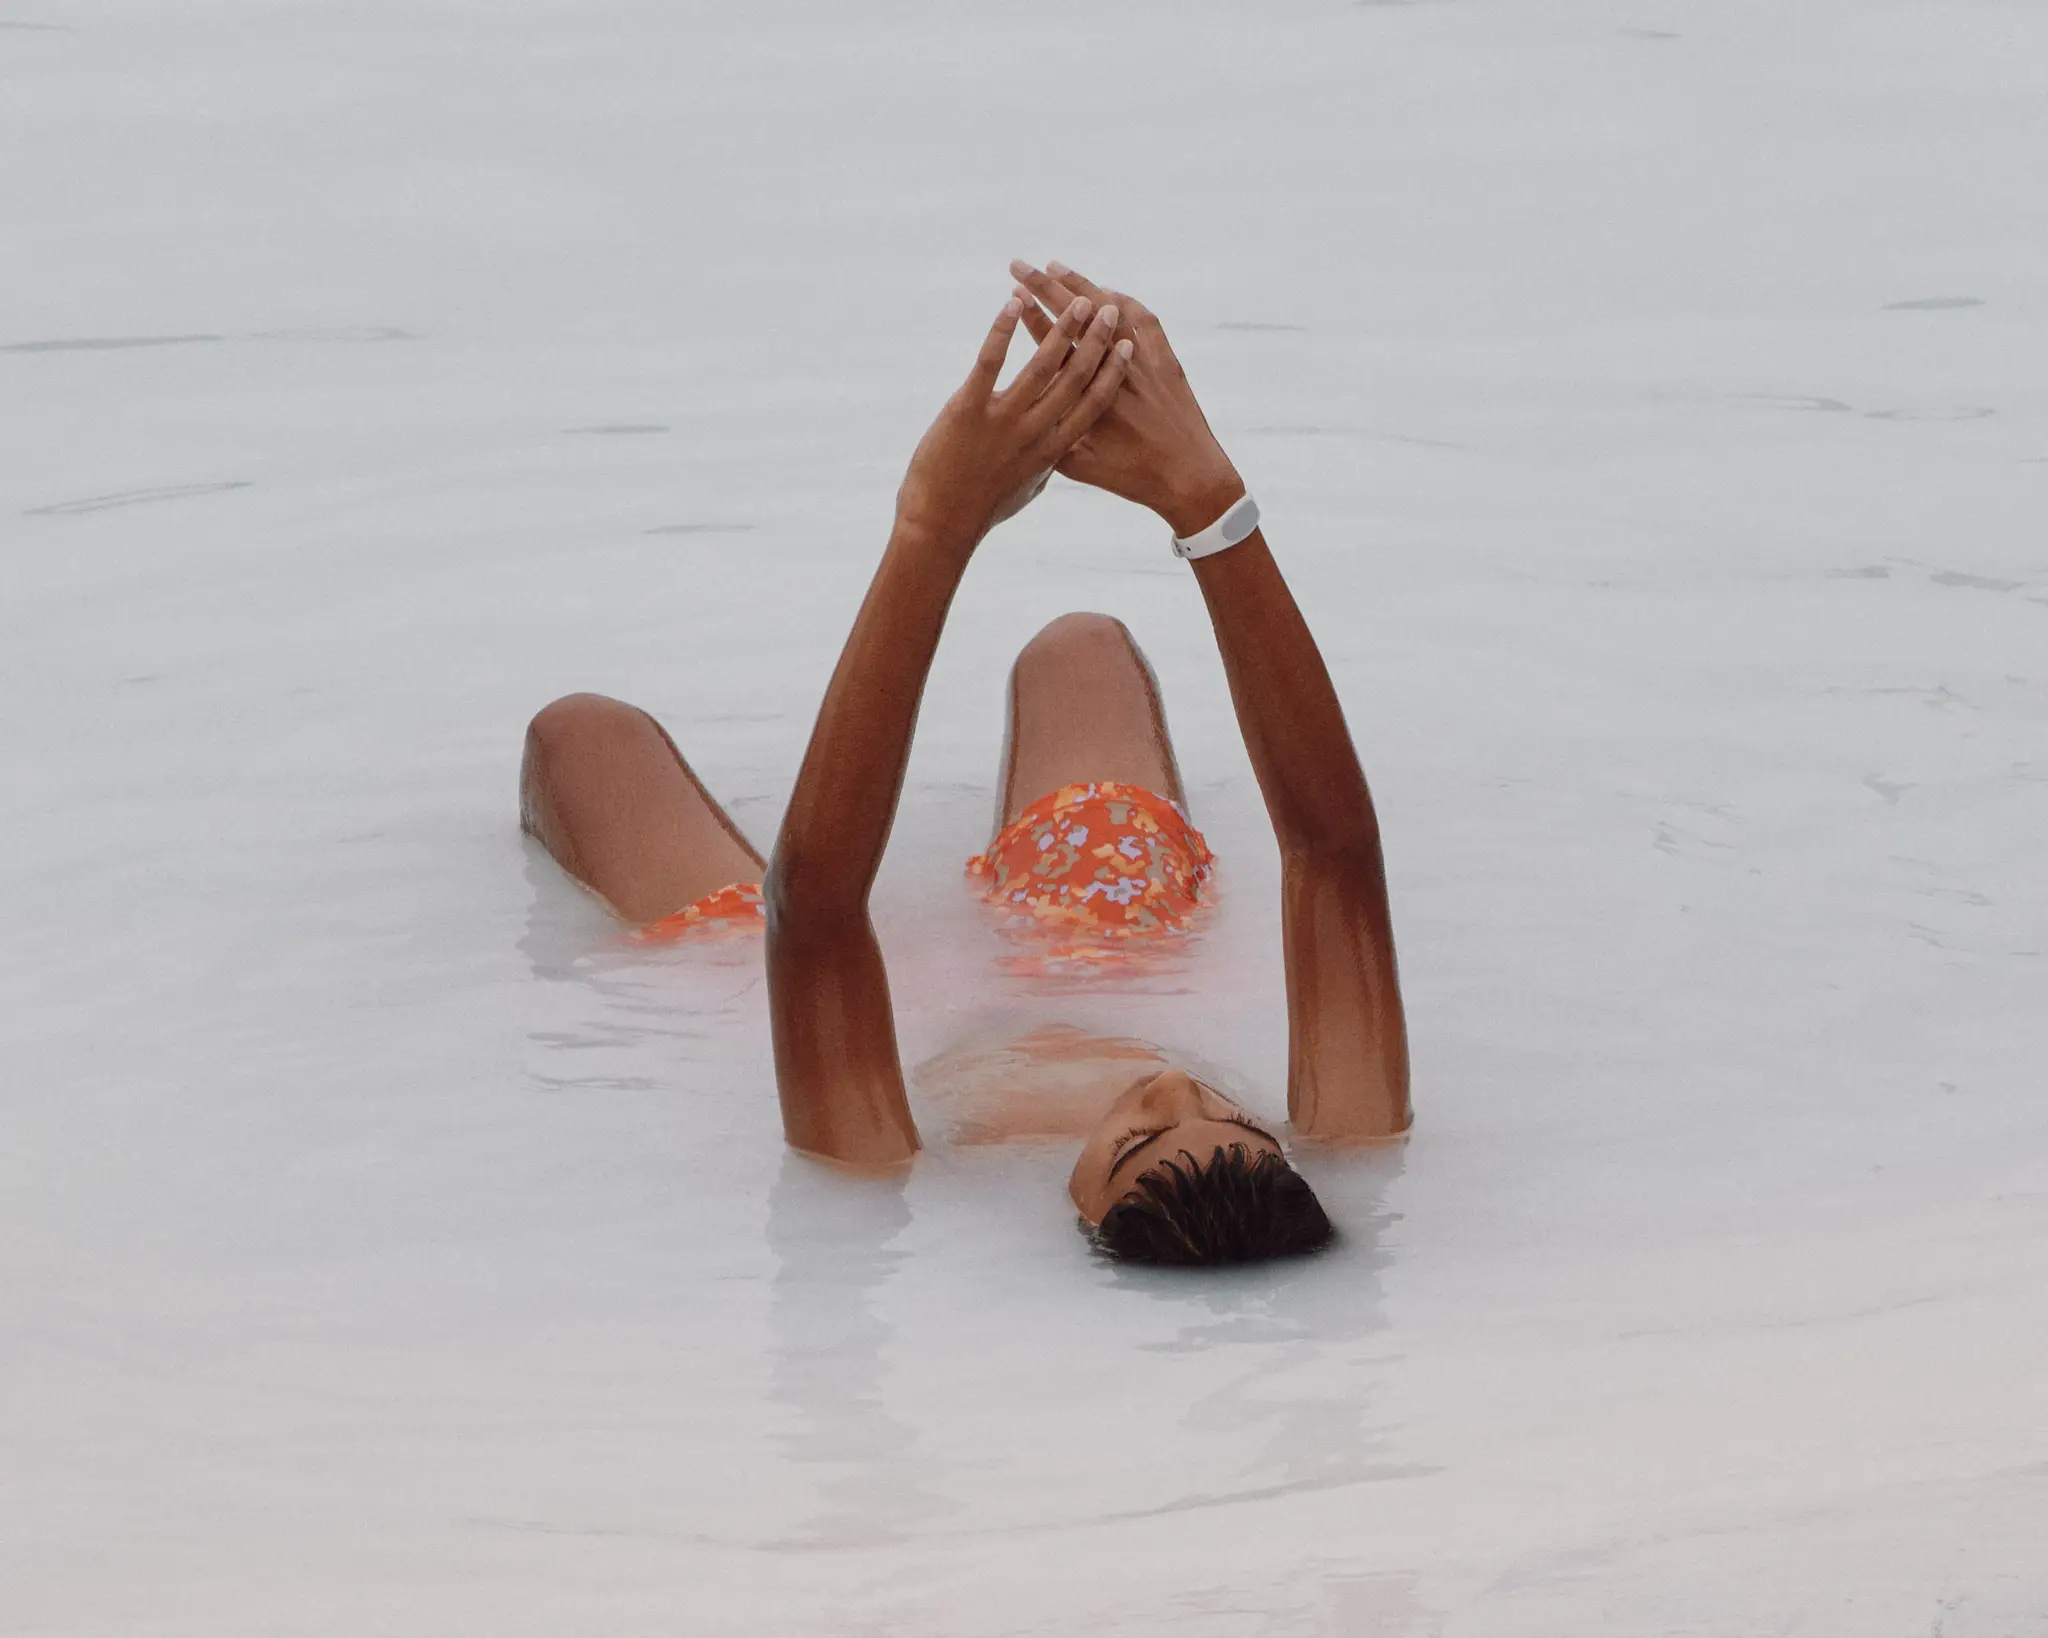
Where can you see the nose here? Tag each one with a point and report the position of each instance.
(1174, 1092)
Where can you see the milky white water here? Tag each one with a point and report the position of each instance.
(1647, 399)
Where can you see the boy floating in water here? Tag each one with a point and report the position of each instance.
(1096, 843)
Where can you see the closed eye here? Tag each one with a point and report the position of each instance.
(1252, 1127)
(1130, 1150)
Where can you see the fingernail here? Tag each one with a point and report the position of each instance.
(1058, 270)
(1013, 308)
(1020, 270)
(1021, 293)
(1081, 309)
(1123, 349)
(1107, 316)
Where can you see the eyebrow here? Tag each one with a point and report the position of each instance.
(1231, 1120)
(1117, 1164)
(1252, 1127)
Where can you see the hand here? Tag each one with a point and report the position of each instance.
(1154, 445)
(989, 452)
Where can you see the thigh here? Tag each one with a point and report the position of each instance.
(607, 793)
(1084, 706)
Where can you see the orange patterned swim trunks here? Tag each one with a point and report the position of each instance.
(1099, 861)
(731, 909)
(1087, 864)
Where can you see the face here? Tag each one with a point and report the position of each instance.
(1153, 1121)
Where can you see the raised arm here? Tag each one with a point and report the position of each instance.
(985, 456)
(1347, 1040)
(1348, 1044)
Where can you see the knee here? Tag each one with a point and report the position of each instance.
(577, 717)
(571, 737)
(568, 742)
(1075, 636)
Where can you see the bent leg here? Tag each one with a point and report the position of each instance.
(606, 792)
(1084, 706)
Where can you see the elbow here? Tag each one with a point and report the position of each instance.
(804, 889)
(1340, 843)
(1339, 868)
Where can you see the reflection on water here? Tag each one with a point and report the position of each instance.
(1302, 1329)
(1282, 1399)
(681, 999)
(832, 1238)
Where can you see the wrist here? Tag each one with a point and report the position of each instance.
(1199, 500)
(932, 538)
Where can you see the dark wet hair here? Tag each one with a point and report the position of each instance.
(1239, 1208)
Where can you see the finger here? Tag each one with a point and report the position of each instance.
(1036, 319)
(988, 363)
(1044, 365)
(1094, 403)
(1133, 310)
(1054, 296)
(1081, 369)
(1076, 283)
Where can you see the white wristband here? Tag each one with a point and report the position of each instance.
(1231, 529)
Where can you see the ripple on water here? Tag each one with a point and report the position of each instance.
(337, 332)
(102, 344)
(1975, 582)
(1933, 412)
(133, 497)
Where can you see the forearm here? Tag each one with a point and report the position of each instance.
(1347, 1039)
(844, 803)
(1287, 707)
(836, 1064)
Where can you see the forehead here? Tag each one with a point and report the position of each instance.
(1197, 1137)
